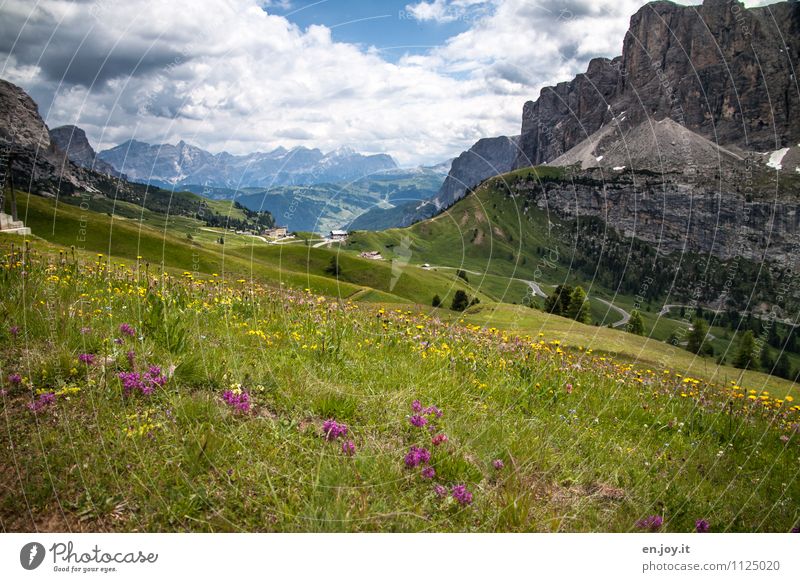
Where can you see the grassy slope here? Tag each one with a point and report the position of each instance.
(588, 444)
(158, 239)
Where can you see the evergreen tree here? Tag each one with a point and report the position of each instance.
(333, 267)
(437, 301)
(696, 340)
(635, 324)
(579, 308)
(746, 354)
(782, 367)
(558, 302)
(460, 301)
(766, 359)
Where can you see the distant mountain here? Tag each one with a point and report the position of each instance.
(182, 164)
(73, 141)
(374, 202)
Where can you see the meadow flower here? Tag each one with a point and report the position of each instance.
(440, 490)
(433, 410)
(428, 473)
(651, 523)
(349, 448)
(417, 420)
(85, 330)
(439, 439)
(236, 399)
(127, 329)
(332, 430)
(569, 388)
(416, 406)
(14, 330)
(15, 379)
(701, 526)
(131, 355)
(43, 401)
(461, 494)
(146, 383)
(87, 359)
(498, 464)
(417, 456)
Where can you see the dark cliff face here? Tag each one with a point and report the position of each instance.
(488, 157)
(72, 140)
(720, 69)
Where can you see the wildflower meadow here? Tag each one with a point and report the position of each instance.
(135, 399)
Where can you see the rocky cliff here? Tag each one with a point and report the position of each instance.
(72, 140)
(720, 69)
(488, 157)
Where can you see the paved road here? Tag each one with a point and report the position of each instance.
(626, 317)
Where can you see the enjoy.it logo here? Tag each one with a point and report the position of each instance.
(31, 555)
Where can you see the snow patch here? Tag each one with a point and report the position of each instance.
(599, 158)
(619, 168)
(776, 158)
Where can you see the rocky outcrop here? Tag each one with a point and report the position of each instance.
(488, 157)
(72, 140)
(184, 164)
(720, 69)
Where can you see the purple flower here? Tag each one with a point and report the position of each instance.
(85, 330)
(461, 494)
(417, 420)
(417, 456)
(332, 430)
(434, 411)
(416, 406)
(795, 529)
(43, 401)
(498, 464)
(87, 359)
(15, 379)
(428, 473)
(127, 329)
(440, 490)
(239, 400)
(131, 355)
(349, 448)
(119, 341)
(651, 523)
(701, 526)
(14, 330)
(145, 383)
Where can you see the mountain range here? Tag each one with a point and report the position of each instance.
(182, 164)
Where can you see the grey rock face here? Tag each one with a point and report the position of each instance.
(488, 157)
(73, 141)
(720, 69)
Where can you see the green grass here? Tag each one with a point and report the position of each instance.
(589, 441)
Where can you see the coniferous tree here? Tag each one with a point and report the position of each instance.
(579, 308)
(635, 324)
(460, 301)
(746, 354)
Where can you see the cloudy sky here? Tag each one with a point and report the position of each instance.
(421, 80)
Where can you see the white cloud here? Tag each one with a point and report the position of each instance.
(228, 75)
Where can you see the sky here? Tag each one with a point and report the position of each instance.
(420, 80)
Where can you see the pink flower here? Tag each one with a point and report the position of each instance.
(87, 359)
(569, 388)
(349, 448)
(417, 456)
(440, 490)
(416, 406)
(498, 464)
(428, 473)
(439, 439)
(418, 421)
(332, 430)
